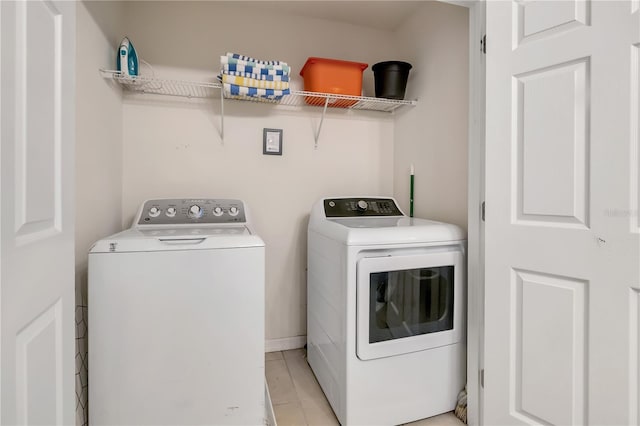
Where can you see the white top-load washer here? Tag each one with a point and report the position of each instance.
(176, 318)
(385, 315)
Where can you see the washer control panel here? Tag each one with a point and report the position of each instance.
(358, 207)
(185, 211)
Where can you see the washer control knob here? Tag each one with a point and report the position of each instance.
(217, 211)
(362, 205)
(195, 211)
(154, 212)
(233, 211)
(171, 211)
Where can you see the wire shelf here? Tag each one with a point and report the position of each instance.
(182, 88)
(193, 89)
(302, 98)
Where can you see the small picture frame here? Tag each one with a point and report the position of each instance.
(272, 141)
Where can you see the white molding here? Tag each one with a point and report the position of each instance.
(270, 415)
(285, 343)
(464, 3)
(476, 189)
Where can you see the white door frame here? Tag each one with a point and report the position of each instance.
(475, 224)
(475, 198)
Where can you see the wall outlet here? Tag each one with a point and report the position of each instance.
(272, 141)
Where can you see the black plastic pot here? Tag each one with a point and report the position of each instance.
(391, 79)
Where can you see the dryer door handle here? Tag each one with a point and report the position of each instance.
(182, 241)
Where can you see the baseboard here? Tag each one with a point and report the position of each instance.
(270, 415)
(285, 343)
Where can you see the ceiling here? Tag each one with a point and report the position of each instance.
(383, 15)
(386, 15)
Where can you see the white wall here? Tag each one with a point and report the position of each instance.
(172, 147)
(99, 129)
(434, 135)
(98, 157)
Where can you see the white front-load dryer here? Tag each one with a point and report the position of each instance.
(385, 316)
(176, 318)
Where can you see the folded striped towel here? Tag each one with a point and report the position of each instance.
(252, 82)
(253, 70)
(253, 98)
(234, 89)
(233, 61)
(265, 77)
(250, 59)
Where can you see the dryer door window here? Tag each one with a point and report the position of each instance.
(409, 303)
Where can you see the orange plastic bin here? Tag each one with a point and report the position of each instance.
(332, 76)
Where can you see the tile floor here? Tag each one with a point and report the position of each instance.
(298, 400)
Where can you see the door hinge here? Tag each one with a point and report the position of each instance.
(482, 211)
(482, 378)
(483, 44)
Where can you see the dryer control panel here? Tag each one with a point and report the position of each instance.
(358, 207)
(188, 211)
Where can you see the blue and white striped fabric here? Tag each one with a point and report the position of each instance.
(254, 98)
(235, 90)
(252, 82)
(256, 65)
(244, 77)
(250, 59)
(251, 72)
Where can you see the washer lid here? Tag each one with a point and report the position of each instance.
(377, 221)
(179, 238)
(379, 230)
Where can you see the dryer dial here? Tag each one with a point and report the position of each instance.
(195, 211)
(362, 205)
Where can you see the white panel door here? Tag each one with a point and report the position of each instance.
(562, 187)
(37, 110)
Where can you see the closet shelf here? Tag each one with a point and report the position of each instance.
(193, 89)
(160, 86)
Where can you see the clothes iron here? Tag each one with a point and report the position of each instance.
(127, 58)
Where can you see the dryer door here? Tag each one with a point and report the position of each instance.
(409, 303)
